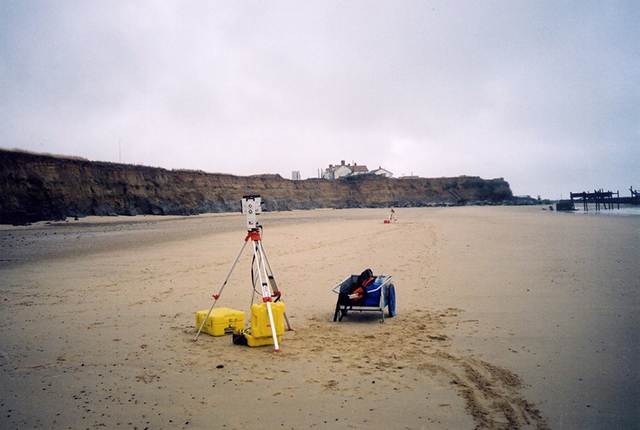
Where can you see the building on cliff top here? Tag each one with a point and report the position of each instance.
(411, 176)
(342, 170)
(382, 172)
(335, 172)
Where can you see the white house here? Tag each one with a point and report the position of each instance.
(382, 172)
(342, 170)
(335, 172)
(359, 170)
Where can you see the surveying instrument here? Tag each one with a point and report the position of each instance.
(251, 207)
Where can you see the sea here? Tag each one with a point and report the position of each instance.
(623, 211)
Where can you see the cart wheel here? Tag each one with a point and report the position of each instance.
(392, 301)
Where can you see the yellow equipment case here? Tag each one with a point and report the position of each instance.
(260, 333)
(221, 321)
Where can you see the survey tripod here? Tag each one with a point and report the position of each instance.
(251, 207)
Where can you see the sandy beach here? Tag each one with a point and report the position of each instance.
(507, 318)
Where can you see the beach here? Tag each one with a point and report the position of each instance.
(507, 317)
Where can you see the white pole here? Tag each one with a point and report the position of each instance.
(266, 294)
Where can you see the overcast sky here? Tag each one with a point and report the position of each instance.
(542, 93)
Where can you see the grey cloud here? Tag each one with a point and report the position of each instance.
(530, 91)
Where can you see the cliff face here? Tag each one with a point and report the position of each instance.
(40, 187)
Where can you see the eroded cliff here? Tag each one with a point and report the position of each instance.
(41, 187)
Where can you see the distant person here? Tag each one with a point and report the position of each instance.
(392, 216)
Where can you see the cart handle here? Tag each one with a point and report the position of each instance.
(336, 289)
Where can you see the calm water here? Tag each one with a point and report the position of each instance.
(623, 211)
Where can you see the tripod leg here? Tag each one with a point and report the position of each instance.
(262, 272)
(253, 286)
(266, 293)
(272, 282)
(216, 296)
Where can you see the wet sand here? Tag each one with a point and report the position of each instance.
(508, 317)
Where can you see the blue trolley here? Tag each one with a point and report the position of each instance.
(379, 295)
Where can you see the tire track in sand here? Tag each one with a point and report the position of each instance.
(492, 395)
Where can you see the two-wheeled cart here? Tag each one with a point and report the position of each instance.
(379, 294)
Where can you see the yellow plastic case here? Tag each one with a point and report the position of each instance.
(260, 341)
(221, 321)
(261, 326)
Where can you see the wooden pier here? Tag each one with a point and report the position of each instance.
(604, 199)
